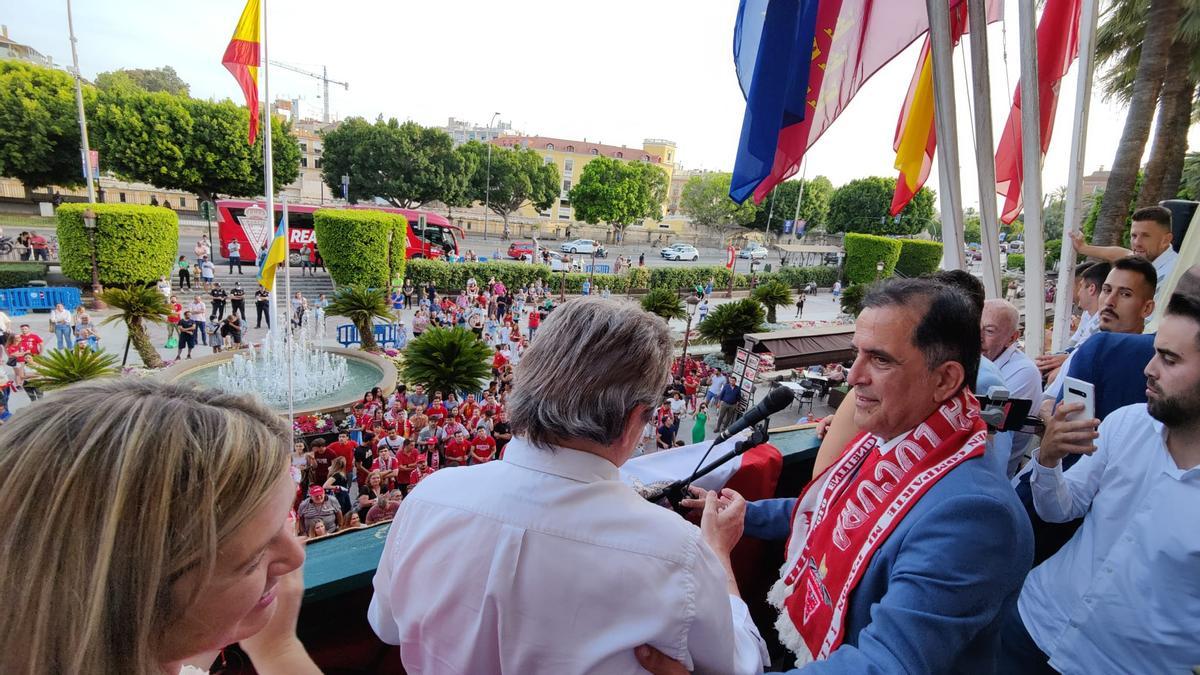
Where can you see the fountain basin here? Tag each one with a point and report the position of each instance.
(364, 372)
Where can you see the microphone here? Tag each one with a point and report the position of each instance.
(773, 402)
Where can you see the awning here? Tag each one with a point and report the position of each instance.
(804, 346)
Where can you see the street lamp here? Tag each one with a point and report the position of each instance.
(487, 193)
(89, 224)
(878, 270)
(692, 301)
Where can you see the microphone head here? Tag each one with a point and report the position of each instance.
(778, 400)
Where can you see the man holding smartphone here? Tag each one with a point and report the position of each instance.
(1119, 596)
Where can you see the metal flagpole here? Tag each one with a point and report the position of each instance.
(83, 131)
(289, 327)
(800, 194)
(268, 169)
(985, 149)
(1031, 189)
(947, 133)
(1063, 300)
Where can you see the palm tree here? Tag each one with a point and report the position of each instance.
(729, 322)
(665, 303)
(447, 359)
(60, 367)
(773, 294)
(362, 306)
(138, 305)
(1161, 20)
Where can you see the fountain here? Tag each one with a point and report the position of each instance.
(323, 378)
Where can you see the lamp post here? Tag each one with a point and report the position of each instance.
(487, 193)
(692, 301)
(878, 270)
(89, 224)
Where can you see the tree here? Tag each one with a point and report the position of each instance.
(61, 367)
(361, 305)
(1055, 214)
(705, 199)
(1119, 43)
(456, 187)
(1189, 187)
(972, 226)
(729, 322)
(1162, 17)
(39, 129)
(772, 294)
(814, 207)
(517, 178)
(163, 79)
(136, 306)
(447, 360)
(619, 193)
(864, 205)
(664, 302)
(187, 144)
(406, 164)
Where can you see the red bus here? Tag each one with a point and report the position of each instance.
(246, 222)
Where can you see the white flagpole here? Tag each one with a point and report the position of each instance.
(287, 300)
(947, 134)
(986, 150)
(1031, 189)
(1063, 299)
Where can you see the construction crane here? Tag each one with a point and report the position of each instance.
(323, 76)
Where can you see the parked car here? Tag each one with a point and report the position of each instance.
(579, 246)
(670, 248)
(1016, 246)
(753, 252)
(683, 252)
(519, 249)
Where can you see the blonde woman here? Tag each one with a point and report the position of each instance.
(187, 548)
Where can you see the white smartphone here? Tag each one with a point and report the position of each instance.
(1078, 391)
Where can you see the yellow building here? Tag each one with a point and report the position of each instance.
(571, 156)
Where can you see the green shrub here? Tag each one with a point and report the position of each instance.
(852, 298)
(664, 302)
(134, 244)
(360, 246)
(798, 277)
(677, 278)
(453, 276)
(639, 277)
(18, 274)
(1053, 252)
(1016, 261)
(729, 322)
(863, 251)
(918, 257)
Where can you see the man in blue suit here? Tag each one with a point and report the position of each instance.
(905, 554)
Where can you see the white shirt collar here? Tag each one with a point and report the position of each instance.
(1164, 262)
(886, 446)
(559, 461)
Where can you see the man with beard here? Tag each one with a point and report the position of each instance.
(1121, 596)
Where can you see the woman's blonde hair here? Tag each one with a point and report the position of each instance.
(121, 487)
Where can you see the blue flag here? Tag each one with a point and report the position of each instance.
(772, 51)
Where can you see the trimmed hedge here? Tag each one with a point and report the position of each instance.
(1016, 261)
(355, 245)
(863, 251)
(454, 275)
(19, 274)
(918, 257)
(134, 244)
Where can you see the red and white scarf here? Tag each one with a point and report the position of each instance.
(847, 513)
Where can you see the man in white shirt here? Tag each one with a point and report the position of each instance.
(1150, 236)
(1126, 300)
(1122, 595)
(714, 389)
(1000, 327)
(546, 562)
(1088, 282)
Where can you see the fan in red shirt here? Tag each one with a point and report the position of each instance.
(407, 460)
(387, 465)
(499, 359)
(344, 447)
(690, 386)
(457, 449)
(437, 411)
(490, 405)
(483, 447)
(469, 409)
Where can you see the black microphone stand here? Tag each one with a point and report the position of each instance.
(678, 491)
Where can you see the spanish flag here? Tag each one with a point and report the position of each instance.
(242, 60)
(276, 255)
(916, 135)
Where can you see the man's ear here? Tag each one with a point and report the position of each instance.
(1148, 308)
(948, 378)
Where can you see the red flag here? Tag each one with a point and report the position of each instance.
(241, 59)
(1057, 47)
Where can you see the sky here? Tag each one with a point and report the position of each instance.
(615, 72)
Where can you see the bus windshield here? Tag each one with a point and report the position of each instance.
(442, 237)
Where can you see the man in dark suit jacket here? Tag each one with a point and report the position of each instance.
(918, 576)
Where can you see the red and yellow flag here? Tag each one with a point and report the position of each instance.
(242, 60)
